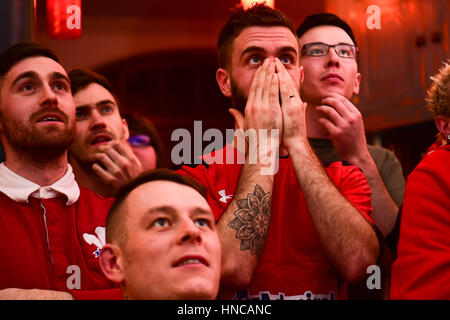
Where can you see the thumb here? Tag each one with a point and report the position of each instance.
(238, 118)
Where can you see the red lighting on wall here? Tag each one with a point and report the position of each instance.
(250, 3)
(64, 19)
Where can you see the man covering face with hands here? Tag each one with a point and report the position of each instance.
(293, 233)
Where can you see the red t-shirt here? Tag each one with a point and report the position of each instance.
(45, 244)
(293, 264)
(422, 268)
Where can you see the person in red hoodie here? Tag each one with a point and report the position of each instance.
(421, 270)
(51, 230)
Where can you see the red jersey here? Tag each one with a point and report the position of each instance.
(293, 264)
(422, 268)
(53, 243)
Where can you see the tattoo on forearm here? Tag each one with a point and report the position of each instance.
(252, 220)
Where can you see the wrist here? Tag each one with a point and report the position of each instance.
(362, 159)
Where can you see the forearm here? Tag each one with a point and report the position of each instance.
(347, 238)
(33, 294)
(243, 227)
(385, 210)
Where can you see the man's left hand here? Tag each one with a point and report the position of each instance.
(345, 125)
(120, 164)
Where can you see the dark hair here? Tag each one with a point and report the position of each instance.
(138, 124)
(20, 51)
(115, 222)
(81, 78)
(324, 19)
(259, 15)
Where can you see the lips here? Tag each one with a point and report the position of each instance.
(190, 260)
(100, 138)
(332, 76)
(50, 117)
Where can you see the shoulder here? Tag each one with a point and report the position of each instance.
(381, 155)
(89, 196)
(346, 175)
(436, 163)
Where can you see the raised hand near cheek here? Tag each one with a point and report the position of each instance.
(119, 164)
(344, 123)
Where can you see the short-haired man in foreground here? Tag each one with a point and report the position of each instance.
(100, 155)
(51, 230)
(318, 217)
(162, 241)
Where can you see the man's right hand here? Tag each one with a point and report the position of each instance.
(263, 109)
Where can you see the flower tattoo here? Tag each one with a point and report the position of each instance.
(252, 220)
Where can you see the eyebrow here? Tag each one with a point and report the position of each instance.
(34, 75)
(172, 211)
(166, 209)
(202, 211)
(259, 49)
(98, 104)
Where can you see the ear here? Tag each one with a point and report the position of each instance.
(357, 82)
(126, 132)
(224, 81)
(111, 263)
(443, 125)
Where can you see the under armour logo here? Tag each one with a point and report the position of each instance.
(98, 240)
(224, 196)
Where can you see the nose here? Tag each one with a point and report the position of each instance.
(190, 233)
(97, 121)
(332, 58)
(48, 97)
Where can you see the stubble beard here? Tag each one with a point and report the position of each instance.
(41, 145)
(238, 97)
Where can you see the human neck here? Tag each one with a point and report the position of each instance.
(87, 178)
(313, 127)
(30, 167)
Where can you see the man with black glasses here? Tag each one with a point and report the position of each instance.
(329, 56)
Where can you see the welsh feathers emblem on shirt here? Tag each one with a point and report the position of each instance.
(98, 239)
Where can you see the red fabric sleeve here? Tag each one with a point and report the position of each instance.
(106, 294)
(422, 269)
(207, 178)
(354, 186)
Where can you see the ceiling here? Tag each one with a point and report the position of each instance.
(190, 9)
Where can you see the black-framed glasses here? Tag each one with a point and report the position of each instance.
(140, 140)
(320, 49)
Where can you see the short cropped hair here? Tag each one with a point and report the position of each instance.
(438, 97)
(239, 19)
(324, 19)
(138, 124)
(81, 78)
(116, 220)
(20, 51)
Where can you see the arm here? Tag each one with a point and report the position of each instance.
(33, 294)
(346, 128)
(39, 294)
(347, 238)
(244, 224)
(421, 270)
